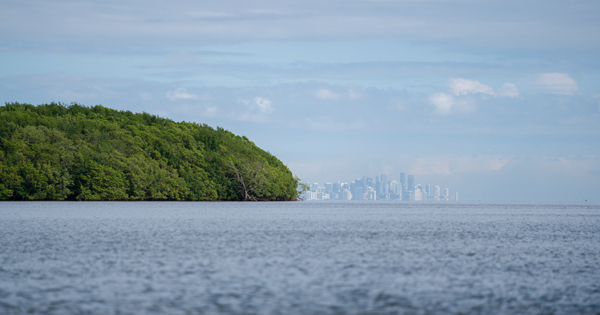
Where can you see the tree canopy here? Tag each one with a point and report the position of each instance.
(73, 152)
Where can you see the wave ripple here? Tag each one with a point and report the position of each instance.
(299, 258)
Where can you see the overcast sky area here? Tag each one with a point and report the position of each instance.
(498, 100)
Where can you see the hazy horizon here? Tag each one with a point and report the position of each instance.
(498, 100)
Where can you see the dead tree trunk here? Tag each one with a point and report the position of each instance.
(251, 177)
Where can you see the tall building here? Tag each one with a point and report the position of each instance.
(456, 196)
(418, 195)
(337, 186)
(394, 187)
(403, 181)
(411, 183)
(328, 188)
(428, 190)
(436, 193)
(446, 194)
(408, 195)
(310, 195)
(380, 182)
(370, 194)
(345, 194)
(358, 182)
(358, 193)
(368, 182)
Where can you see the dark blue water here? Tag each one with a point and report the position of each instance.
(299, 258)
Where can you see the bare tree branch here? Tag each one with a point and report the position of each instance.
(250, 174)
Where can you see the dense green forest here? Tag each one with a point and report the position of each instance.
(74, 152)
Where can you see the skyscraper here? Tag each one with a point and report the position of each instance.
(337, 186)
(394, 187)
(403, 181)
(436, 194)
(328, 188)
(411, 183)
(345, 194)
(368, 182)
(428, 190)
(380, 182)
(418, 195)
(358, 193)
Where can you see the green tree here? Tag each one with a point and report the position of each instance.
(56, 152)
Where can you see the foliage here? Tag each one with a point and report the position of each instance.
(302, 188)
(250, 175)
(73, 152)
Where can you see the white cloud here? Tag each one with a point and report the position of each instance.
(180, 94)
(446, 103)
(257, 109)
(443, 103)
(327, 95)
(560, 83)
(463, 87)
(263, 105)
(508, 90)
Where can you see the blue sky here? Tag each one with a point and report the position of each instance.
(498, 100)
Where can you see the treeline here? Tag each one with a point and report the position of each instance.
(73, 152)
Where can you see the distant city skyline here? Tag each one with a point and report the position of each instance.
(379, 188)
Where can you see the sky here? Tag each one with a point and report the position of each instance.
(498, 100)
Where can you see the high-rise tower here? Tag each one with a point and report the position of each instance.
(411, 183)
(403, 181)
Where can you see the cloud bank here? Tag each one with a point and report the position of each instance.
(328, 95)
(256, 110)
(181, 94)
(460, 87)
(558, 83)
(446, 104)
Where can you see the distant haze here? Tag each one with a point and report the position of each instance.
(498, 100)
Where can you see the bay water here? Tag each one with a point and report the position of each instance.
(299, 258)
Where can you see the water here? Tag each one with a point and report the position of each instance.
(299, 258)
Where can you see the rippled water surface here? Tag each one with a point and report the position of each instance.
(299, 258)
